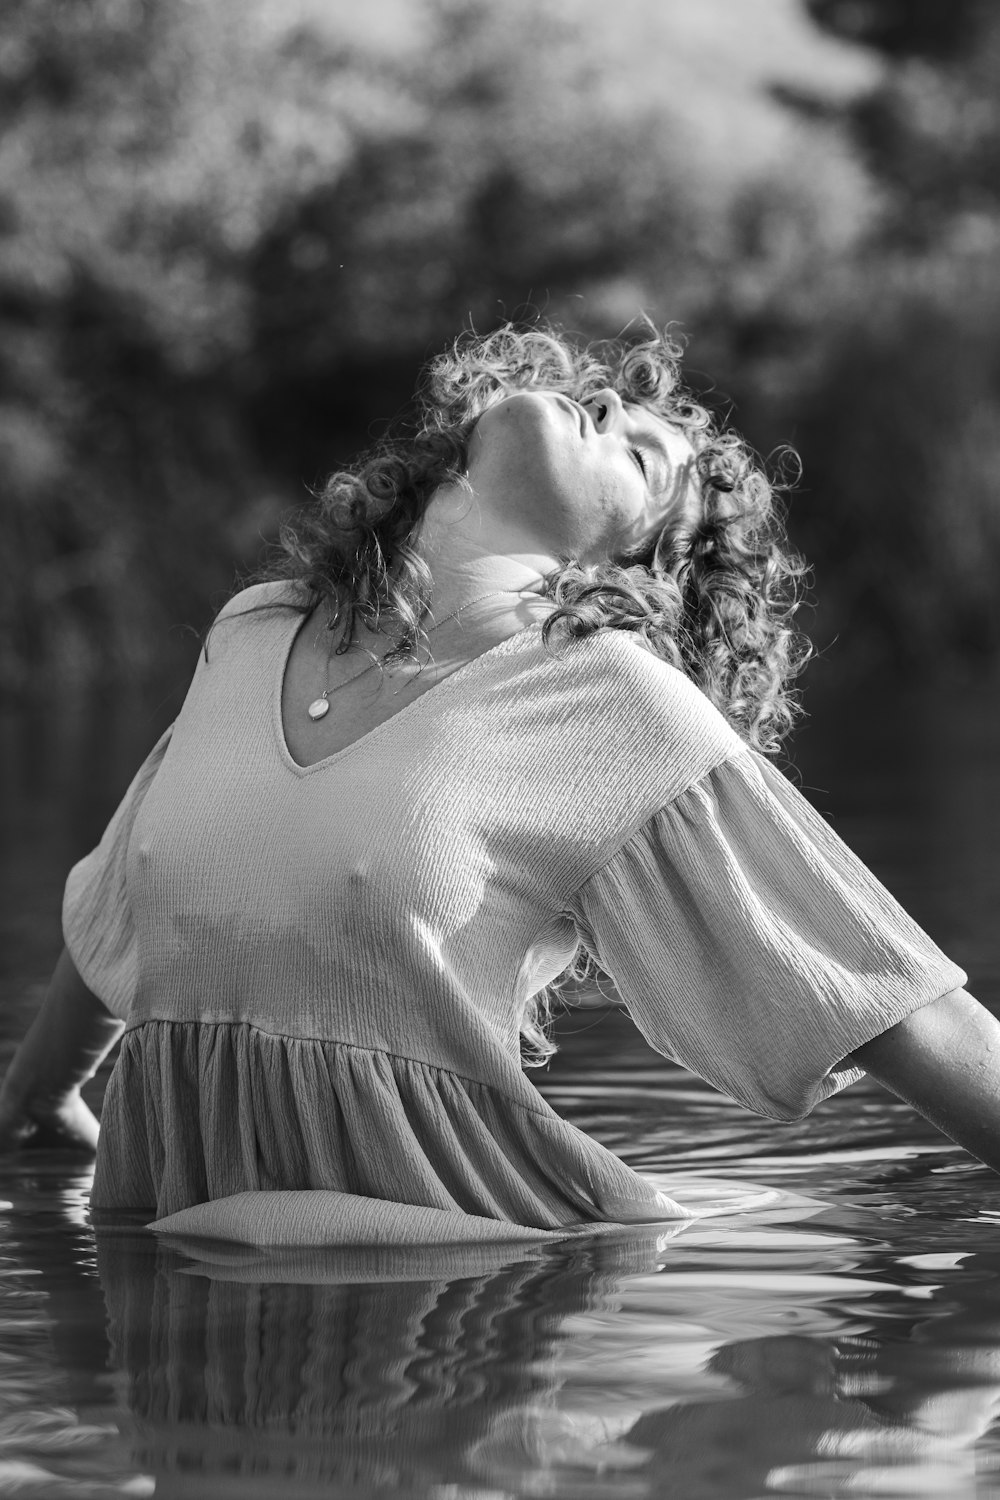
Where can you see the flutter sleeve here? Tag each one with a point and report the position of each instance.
(97, 920)
(751, 945)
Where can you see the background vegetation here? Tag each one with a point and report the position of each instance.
(230, 233)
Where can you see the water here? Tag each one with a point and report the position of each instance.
(843, 1340)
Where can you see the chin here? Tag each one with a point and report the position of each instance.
(528, 431)
(530, 407)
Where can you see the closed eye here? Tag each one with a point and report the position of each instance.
(640, 460)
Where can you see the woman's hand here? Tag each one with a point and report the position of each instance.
(67, 1123)
(40, 1100)
(944, 1059)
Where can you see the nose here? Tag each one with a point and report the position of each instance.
(605, 408)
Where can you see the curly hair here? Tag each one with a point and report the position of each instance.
(712, 594)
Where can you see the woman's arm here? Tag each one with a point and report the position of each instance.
(40, 1100)
(944, 1059)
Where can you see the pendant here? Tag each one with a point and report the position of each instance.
(318, 708)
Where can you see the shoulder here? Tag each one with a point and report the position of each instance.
(275, 594)
(641, 688)
(252, 615)
(617, 717)
(625, 656)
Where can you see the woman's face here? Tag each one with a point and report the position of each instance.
(592, 480)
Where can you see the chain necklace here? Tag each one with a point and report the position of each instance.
(320, 707)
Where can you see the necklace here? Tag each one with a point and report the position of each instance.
(320, 707)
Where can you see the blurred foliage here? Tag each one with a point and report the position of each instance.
(904, 28)
(230, 234)
(900, 432)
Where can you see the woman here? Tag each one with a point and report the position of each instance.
(503, 701)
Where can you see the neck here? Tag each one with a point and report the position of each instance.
(467, 561)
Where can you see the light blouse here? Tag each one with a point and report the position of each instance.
(322, 969)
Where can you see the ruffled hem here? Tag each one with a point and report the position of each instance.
(196, 1112)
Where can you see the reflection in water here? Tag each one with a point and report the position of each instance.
(387, 1387)
(450, 1373)
(458, 1374)
(826, 1417)
(853, 1352)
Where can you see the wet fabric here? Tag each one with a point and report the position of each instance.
(322, 969)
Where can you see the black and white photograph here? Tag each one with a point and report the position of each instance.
(500, 749)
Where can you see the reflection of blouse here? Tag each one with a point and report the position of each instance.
(322, 969)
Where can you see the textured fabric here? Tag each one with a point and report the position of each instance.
(290, 1225)
(304, 1218)
(751, 945)
(322, 969)
(202, 1112)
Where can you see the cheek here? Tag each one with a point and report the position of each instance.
(625, 497)
(612, 522)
